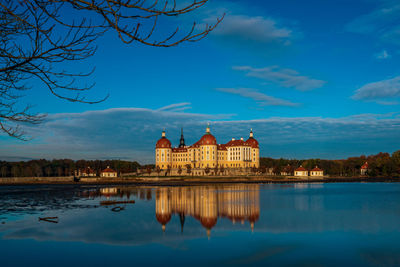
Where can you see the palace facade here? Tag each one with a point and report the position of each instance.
(206, 153)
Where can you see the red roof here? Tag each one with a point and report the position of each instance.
(301, 169)
(163, 143)
(108, 169)
(221, 147)
(237, 143)
(365, 166)
(207, 139)
(179, 149)
(316, 169)
(253, 142)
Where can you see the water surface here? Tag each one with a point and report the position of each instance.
(303, 224)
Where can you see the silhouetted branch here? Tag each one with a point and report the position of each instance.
(36, 36)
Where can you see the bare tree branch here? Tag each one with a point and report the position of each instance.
(36, 36)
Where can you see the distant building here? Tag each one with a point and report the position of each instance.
(301, 171)
(364, 169)
(286, 171)
(86, 172)
(317, 172)
(108, 172)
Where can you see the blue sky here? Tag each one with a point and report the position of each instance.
(312, 78)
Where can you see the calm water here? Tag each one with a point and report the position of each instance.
(313, 225)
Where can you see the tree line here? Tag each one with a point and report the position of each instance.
(62, 167)
(381, 164)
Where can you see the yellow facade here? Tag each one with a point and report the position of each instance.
(206, 153)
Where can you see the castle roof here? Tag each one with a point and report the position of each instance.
(163, 142)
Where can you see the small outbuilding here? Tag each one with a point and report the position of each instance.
(316, 172)
(301, 171)
(108, 172)
(364, 169)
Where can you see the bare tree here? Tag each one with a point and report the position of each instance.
(38, 37)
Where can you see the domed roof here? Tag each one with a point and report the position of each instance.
(253, 142)
(207, 139)
(163, 142)
(254, 217)
(208, 222)
(163, 218)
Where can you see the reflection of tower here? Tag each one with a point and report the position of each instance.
(208, 208)
(182, 220)
(163, 207)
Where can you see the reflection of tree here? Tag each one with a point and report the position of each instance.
(238, 203)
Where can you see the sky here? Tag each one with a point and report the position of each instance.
(313, 79)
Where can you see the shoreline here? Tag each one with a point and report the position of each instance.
(182, 181)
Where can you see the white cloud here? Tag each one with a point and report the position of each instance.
(260, 98)
(379, 91)
(383, 55)
(283, 77)
(256, 29)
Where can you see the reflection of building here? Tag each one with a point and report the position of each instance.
(207, 154)
(238, 203)
(108, 172)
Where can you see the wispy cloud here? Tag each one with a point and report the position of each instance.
(260, 98)
(283, 77)
(176, 107)
(382, 23)
(131, 133)
(383, 55)
(379, 91)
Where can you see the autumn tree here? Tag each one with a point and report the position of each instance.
(43, 41)
(188, 169)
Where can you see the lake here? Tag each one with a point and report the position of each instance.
(331, 224)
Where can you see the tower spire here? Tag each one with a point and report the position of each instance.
(182, 140)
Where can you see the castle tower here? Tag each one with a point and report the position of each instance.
(163, 152)
(208, 150)
(182, 140)
(255, 150)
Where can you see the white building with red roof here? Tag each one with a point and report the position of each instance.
(317, 172)
(364, 169)
(108, 172)
(301, 171)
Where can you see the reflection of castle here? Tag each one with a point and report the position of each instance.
(207, 203)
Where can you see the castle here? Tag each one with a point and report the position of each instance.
(206, 156)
